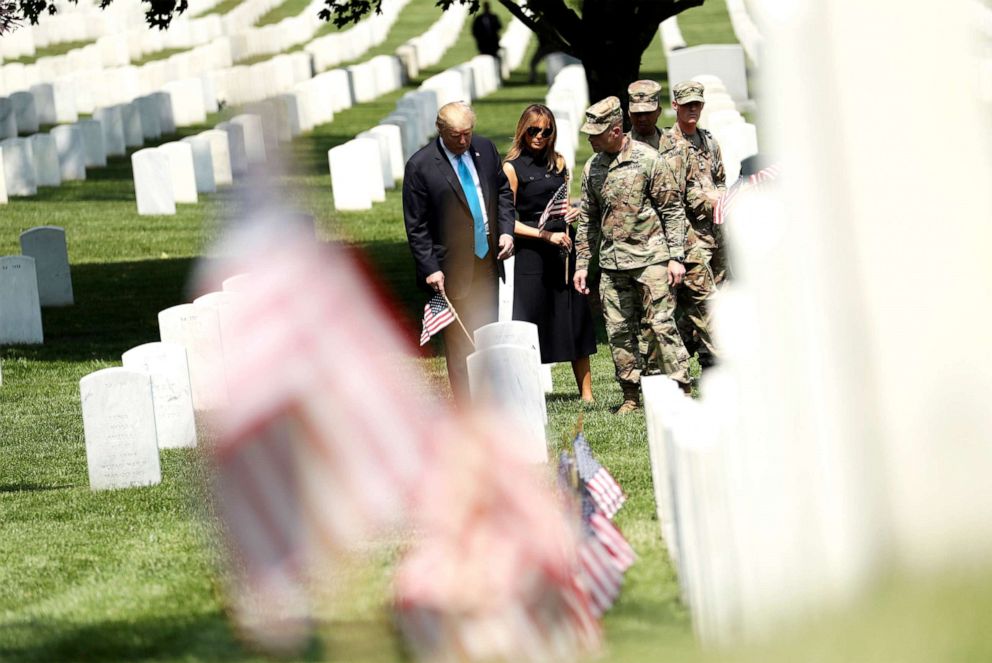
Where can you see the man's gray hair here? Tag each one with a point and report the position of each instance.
(451, 114)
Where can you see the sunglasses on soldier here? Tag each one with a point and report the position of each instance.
(545, 133)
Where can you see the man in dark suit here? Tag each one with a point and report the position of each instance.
(458, 210)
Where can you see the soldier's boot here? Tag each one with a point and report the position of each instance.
(631, 398)
(686, 388)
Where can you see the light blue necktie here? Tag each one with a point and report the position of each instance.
(472, 196)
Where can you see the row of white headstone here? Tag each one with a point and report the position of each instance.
(176, 172)
(40, 276)
(568, 98)
(347, 45)
(151, 401)
(363, 168)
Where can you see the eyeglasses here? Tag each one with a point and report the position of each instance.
(545, 133)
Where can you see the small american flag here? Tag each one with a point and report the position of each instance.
(557, 206)
(437, 316)
(754, 182)
(620, 551)
(603, 488)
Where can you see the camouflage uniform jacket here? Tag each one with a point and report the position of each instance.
(631, 210)
(703, 173)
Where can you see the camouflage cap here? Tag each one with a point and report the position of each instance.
(644, 96)
(601, 115)
(688, 91)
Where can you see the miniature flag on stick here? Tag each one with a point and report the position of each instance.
(603, 488)
(556, 207)
(437, 316)
(753, 182)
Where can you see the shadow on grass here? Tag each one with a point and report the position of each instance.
(116, 308)
(32, 488)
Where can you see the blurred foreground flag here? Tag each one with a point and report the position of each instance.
(325, 438)
(493, 577)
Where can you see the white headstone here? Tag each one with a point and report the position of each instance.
(725, 61)
(182, 170)
(236, 147)
(166, 119)
(46, 160)
(18, 167)
(187, 101)
(44, 102)
(515, 332)
(394, 147)
(173, 400)
(25, 112)
(221, 156)
(20, 310)
(134, 134)
(348, 183)
(113, 129)
(197, 328)
(71, 152)
(507, 377)
(119, 424)
(236, 283)
(8, 119)
(203, 163)
(3, 181)
(151, 121)
(94, 145)
(47, 245)
(251, 126)
(153, 182)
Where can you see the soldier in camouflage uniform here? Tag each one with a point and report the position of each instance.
(632, 217)
(704, 183)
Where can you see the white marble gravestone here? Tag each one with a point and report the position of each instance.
(236, 147)
(515, 332)
(349, 184)
(203, 164)
(507, 377)
(46, 160)
(70, 150)
(221, 153)
(153, 182)
(44, 102)
(662, 400)
(119, 425)
(151, 121)
(94, 145)
(188, 106)
(725, 61)
(394, 147)
(20, 310)
(251, 126)
(3, 181)
(8, 119)
(197, 328)
(134, 134)
(386, 169)
(182, 170)
(47, 245)
(174, 416)
(18, 167)
(167, 120)
(25, 112)
(113, 130)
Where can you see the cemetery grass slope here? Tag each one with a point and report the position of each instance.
(133, 575)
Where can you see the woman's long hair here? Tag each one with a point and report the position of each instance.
(556, 162)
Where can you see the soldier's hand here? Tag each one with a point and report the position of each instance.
(436, 281)
(676, 272)
(579, 280)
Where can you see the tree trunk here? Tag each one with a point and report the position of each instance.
(610, 70)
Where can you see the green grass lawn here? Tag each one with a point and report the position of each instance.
(133, 575)
(285, 10)
(55, 49)
(221, 7)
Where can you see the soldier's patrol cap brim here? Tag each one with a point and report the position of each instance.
(601, 115)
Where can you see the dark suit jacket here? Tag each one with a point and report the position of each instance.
(439, 225)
